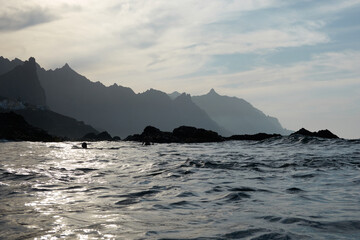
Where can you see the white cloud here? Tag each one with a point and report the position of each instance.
(118, 33)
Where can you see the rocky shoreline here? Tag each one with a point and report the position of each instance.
(13, 127)
(186, 134)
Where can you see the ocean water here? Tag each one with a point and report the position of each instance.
(283, 188)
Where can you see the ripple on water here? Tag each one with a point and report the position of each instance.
(286, 188)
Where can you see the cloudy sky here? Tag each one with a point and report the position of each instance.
(296, 60)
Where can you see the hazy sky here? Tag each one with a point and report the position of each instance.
(296, 60)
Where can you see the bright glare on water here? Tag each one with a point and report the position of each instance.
(286, 188)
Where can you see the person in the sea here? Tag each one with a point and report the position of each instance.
(84, 145)
(146, 141)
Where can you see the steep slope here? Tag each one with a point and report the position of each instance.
(21, 92)
(69, 93)
(43, 118)
(174, 95)
(117, 109)
(22, 83)
(14, 127)
(159, 110)
(237, 115)
(56, 124)
(6, 65)
(193, 115)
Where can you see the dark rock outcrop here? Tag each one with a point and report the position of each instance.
(14, 127)
(183, 134)
(152, 134)
(103, 136)
(254, 137)
(321, 134)
(116, 138)
(196, 135)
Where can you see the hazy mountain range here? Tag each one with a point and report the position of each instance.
(122, 112)
(237, 115)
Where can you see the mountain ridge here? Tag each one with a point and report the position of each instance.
(237, 115)
(22, 83)
(116, 108)
(123, 112)
(22, 93)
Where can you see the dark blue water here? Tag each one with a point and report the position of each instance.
(285, 188)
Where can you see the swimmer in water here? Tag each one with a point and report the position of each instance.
(84, 145)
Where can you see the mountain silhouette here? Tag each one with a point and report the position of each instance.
(22, 83)
(118, 109)
(22, 93)
(6, 65)
(174, 95)
(237, 115)
(14, 127)
(121, 111)
(56, 124)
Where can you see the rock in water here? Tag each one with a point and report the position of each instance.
(183, 134)
(103, 136)
(321, 134)
(254, 137)
(196, 135)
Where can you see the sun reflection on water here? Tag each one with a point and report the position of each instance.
(65, 196)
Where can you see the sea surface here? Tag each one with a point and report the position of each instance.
(282, 188)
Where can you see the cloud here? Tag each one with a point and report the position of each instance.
(323, 71)
(323, 92)
(13, 19)
(336, 6)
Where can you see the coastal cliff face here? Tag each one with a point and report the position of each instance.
(22, 93)
(22, 83)
(237, 115)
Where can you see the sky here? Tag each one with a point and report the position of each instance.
(295, 60)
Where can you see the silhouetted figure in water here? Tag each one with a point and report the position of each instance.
(84, 145)
(146, 142)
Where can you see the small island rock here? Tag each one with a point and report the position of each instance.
(321, 134)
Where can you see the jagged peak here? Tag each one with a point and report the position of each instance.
(212, 92)
(30, 64)
(183, 97)
(184, 94)
(152, 91)
(66, 66)
(32, 60)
